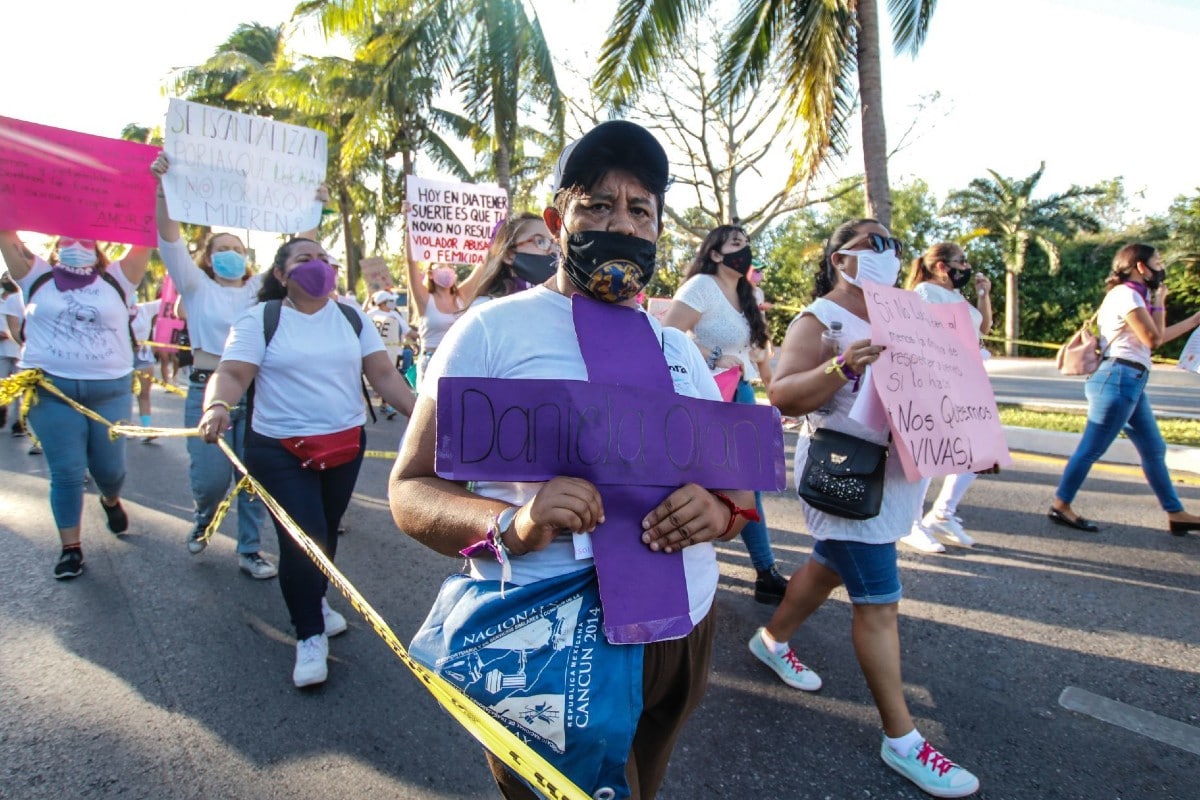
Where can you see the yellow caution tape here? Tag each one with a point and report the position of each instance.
(479, 723)
(164, 345)
(380, 454)
(141, 375)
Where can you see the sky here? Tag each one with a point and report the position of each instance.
(1095, 88)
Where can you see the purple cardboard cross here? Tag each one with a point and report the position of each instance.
(628, 432)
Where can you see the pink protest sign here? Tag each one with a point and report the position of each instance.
(932, 383)
(74, 184)
(166, 324)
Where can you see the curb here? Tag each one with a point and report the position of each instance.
(1122, 451)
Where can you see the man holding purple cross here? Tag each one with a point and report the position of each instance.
(599, 479)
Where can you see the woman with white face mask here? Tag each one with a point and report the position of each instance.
(857, 554)
(216, 287)
(77, 331)
(438, 302)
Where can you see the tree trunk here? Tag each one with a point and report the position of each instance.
(503, 162)
(353, 247)
(1012, 312)
(874, 135)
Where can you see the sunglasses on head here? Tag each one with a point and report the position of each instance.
(881, 244)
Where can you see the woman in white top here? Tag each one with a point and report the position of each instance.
(438, 300)
(215, 287)
(717, 306)
(306, 425)
(522, 254)
(939, 276)
(77, 332)
(1132, 321)
(857, 554)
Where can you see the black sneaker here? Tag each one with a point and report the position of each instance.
(70, 564)
(118, 521)
(17, 429)
(770, 587)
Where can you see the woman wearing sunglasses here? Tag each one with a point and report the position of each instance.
(77, 331)
(717, 307)
(522, 254)
(857, 554)
(939, 276)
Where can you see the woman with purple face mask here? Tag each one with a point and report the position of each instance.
(216, 286)
(304, 353)
(438, 302)
(77, 331)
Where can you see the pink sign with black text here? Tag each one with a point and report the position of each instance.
(933, 386)
(57, 181)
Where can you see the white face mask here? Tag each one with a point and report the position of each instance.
(876, 267)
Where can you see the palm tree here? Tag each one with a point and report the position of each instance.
(816, 47)
(1003, 209)
(495, 56)
(251, 48)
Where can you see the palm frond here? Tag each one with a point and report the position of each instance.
(640, 30)
(910, 23)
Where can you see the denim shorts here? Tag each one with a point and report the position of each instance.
(868, 571)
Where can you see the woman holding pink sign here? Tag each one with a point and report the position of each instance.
(855, 552)
(77, 332)
(717, 307)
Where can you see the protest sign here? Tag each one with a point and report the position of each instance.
(452, 223)
(375, 273)
(235, 170)
(62, 182)
(1189, 359)
(932, 384)
(167, 325)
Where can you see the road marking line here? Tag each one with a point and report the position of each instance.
(1138, 720)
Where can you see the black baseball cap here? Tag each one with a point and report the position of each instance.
(616, 144)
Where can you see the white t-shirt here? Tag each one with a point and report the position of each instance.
(531, 334)
(901, 498)
(82, 334)
(1117, 339)
(146, 312)
(721, 325)
(308, 380)
(11, 306)
(391, 326)
(211, 308)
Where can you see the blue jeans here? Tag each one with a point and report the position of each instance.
(1117, 401)
(868, 571)
(75, 445)
(316, 501)
(211, 474)
(755, 535)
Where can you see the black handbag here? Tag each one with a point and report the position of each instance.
(843, 475)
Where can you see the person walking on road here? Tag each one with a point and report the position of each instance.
(77, 331)
(304, 352)
(857, 554)
(717, 307)
(1132, 321)
(939, 276)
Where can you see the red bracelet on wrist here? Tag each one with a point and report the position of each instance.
(751, 514)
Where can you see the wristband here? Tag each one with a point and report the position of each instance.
(1154, 309)
(214, 403)
(493, 543)
(751, 514)
(847, 373)
(836, 366)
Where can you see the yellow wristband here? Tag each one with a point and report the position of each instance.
(835, 367)
(214, 403)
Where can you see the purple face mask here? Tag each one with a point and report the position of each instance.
(315, 278)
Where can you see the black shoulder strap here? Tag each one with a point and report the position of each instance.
(38, 283)
(270, 320)
(352, 317)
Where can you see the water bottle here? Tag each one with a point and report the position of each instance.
(831, 347)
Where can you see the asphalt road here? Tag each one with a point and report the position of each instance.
(158, 674)
(1173, 392)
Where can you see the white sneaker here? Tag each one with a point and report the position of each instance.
(312, 655)
(949, 530)
(254, 565)
(920, 539)
(335, 623)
